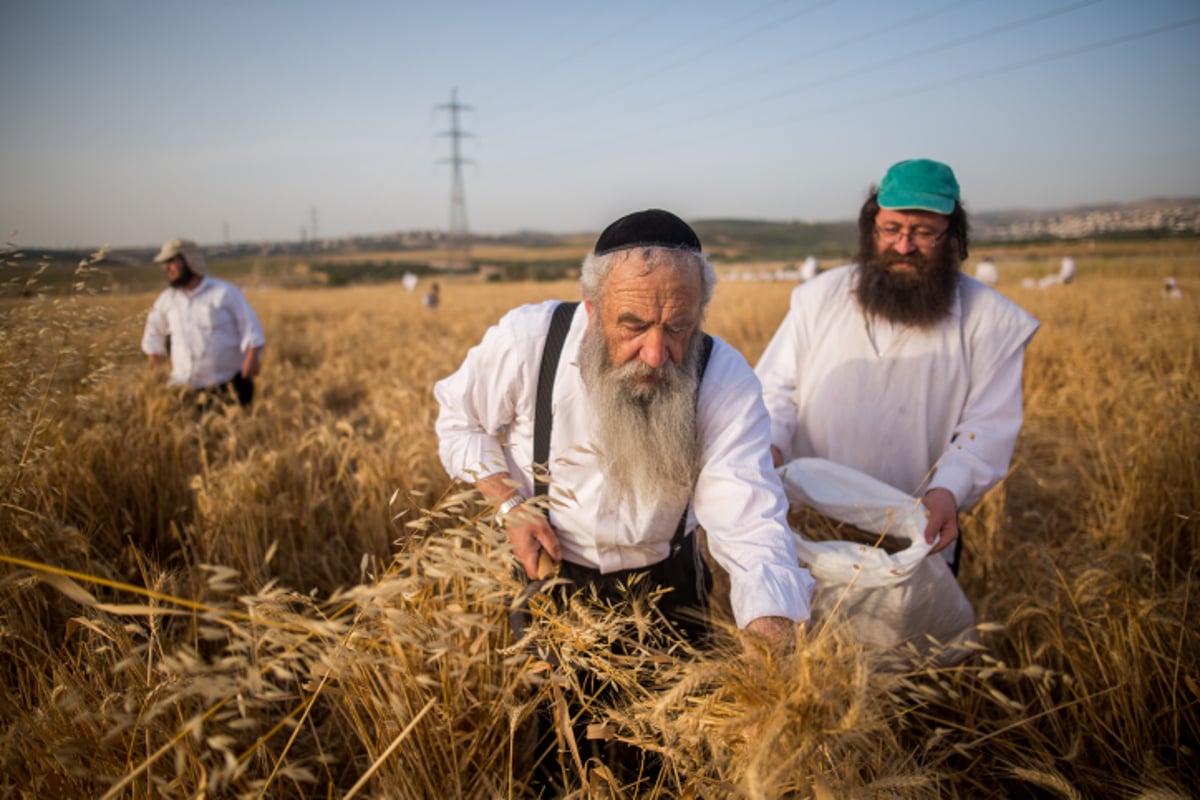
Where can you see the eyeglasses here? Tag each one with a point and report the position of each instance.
(921, 237)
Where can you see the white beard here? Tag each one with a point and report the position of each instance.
(645, 433)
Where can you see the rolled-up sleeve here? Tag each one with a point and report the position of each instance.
(488, 393)
(984, 437)
(740, 499)
(154, 335)
(250, 329)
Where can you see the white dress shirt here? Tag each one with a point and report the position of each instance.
(914, 408)
(738, 497)
(210, 328)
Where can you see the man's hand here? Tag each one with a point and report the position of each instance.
(776, 457)
(941, 510)
(527, 527)
(779, 632)
(252, 363)
(530, 533)
(158, 363)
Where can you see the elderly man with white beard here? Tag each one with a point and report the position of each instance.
(657, 428)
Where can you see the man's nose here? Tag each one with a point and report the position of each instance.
(904, 244)
(654, 351)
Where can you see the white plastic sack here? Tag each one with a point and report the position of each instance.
(888, 599)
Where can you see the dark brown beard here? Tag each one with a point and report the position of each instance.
(185, 277)
(920, 298)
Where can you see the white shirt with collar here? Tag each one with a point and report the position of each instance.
(914, 408)
(210, 328)
(738, 497)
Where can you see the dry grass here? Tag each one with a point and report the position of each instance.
(297, 603)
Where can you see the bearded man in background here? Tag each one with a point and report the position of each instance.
(205, 327)
(646, 442)
(899, 365)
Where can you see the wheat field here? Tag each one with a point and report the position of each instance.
(296, 602)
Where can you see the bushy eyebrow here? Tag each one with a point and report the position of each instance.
(671, 323)
(896, 226)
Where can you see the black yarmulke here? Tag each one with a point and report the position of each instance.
(650, 228)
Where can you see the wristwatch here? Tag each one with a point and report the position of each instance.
(507, 507)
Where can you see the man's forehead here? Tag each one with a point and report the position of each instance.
(672, 282)
(646, 262)
(912, 216)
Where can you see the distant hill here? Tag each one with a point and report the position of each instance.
(538, 253)
(1161, 215)
(759, 240)
(756, 240)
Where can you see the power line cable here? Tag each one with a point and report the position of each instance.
(937, 85)
(889, 28)
(703, 52)
(641, 68)
(770, 25)
(912, 56)
(576, 53)
(854, 73)
(1030, 62)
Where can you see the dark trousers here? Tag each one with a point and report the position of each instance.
(958, 548)
(236, 388)
(683, 572)
(242, 388)
(685, 608)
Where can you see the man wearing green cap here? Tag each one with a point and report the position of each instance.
(899, 365)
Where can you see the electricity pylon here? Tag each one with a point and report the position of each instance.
(458, 246)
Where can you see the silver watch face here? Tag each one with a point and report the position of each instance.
(508, 505)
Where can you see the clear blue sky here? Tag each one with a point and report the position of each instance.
(131, 121)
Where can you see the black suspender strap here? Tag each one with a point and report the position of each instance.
(705, 351)
(543, 419)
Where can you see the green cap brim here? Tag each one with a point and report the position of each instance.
(916, 201)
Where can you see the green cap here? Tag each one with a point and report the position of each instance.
(919, 184)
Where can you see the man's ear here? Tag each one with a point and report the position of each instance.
(587, 306)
